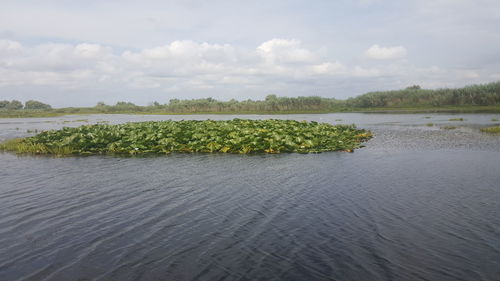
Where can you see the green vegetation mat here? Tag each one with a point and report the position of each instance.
(235, 136)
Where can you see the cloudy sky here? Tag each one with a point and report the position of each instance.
(76, 53)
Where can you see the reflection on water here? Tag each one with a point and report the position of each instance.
(418, 203)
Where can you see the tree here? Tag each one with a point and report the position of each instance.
(125, 106)
(4, 103)
(33, 104)
(414, 87)
(271, 97)
(14, 104)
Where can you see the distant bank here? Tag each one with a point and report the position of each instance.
(484, 98)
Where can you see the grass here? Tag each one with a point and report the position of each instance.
(163, 137)
(429, 124)
(22, 147)
(449, 127)
(492, 130)
(456, 119)
(494, 119)
(430, 109)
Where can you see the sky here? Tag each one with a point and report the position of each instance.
(78, 53)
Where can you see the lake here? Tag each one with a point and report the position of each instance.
(419, 202)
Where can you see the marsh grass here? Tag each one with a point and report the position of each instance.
(456, 119)
(492, 130)
(494, 119)
(20, 146)
(429, 124)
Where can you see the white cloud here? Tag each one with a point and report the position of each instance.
(91, 51)
(282, 51)
(328, 68)
(181, 64)
(9, 47)
(385, 53)
(58, 65)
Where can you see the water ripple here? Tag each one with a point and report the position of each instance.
(417, 203)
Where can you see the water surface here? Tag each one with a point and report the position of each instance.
(417, 203)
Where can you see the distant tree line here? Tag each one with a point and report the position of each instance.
(16, 105)
(413, 96)
(271, 103)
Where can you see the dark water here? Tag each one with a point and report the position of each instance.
(417, 203)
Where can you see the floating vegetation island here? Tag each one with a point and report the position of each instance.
(234, 136)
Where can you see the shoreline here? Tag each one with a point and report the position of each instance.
(407, 110)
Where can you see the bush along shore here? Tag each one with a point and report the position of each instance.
(475, 98)
(163, 137)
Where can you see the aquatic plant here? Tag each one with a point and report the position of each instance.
(449, 127)
(494, 119)
(493, 130)
(456, 119)
(234, 136)
(429, 124)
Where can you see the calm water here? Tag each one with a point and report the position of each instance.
(417, 203)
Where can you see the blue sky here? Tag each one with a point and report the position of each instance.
(76, 53)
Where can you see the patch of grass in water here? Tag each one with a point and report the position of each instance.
(427, 117)
(449, 127)
(163, 137)
(22, 147)
(494, 119)
(456, 119)
(429, 124)
(492, 130)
